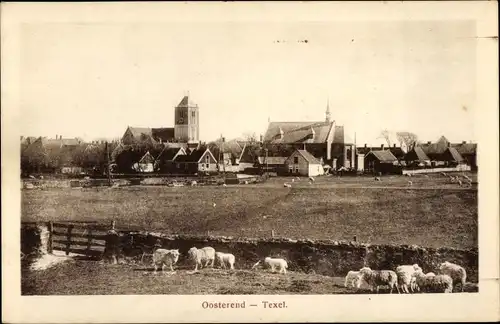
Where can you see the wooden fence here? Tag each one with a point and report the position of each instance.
(75, 237)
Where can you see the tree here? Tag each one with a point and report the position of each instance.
(250, 137)
(386, 135)
(407, 139)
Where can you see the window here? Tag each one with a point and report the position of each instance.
(296, 160)
(207, 160)
(207, 166)
(193, 114)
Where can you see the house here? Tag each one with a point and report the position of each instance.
(227, 151)
(444, 153)
(145, 164)
(136, 135)
(417, 157)
(304, 163)
(274, 164)
(380, 161)
(468, 151)
(165, 161)
(199, 160)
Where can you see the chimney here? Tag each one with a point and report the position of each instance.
(429, 142)
(382, 147)
(56, 136)
(448, 144)
(223, 139)
(261, 138)
(365, 145)
(464, 142)
(394, 145)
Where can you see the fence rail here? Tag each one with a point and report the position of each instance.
(62, 237)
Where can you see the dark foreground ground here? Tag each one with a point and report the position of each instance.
(96, 278)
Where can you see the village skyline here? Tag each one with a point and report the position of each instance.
(92, 81)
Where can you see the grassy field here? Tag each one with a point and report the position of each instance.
(433, 213)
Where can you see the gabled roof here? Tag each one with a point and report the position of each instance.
(194, 156)
(232, 147)
(147, 158)
(419, 154)
(465, 148)
(308, 156)
(165, 134)
(383, 156)
(453, 155)
(186, 102)
(169, 153)
(298, 132)
(397, 152)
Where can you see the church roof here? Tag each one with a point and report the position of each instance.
(340, 137)
(298, 132)
(186, 102)
(309, 157)
(164, 134)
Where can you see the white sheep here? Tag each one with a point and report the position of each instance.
(224, 185)
(377, 278)
(225, 259)
(274, 263)
(404, 273)
(432, 283)
(377, 179)
(287, 185)
(206, 254)
(410, 183)
(455, 271)
(194, 183)
(467, 178)
(408, 174)
(164, 258)
(311, 179)
(443, 174)
(293, 180)
(353, 279)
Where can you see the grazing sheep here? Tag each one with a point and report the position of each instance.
(298, 178)
(408, 174)
(224, 185)
(246, 182)
(206, 254)
(225, 259)
(404, 273)
(287, 185)
(194, 183)
(377, 179)
(410, 183)
(32, 177)
(377, 278)
(431, 283)
(459, 182)
(455, 271)
(467, 178)
(443, 174)
(273, 263)
(293, 180)
(164, 258)
(311, 179)
(353, 279)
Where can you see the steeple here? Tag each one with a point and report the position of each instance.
(327, 113)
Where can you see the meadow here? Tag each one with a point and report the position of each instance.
(432, 213)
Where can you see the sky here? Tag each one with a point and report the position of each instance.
(92, 80)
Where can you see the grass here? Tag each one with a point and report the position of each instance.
(78, 277)
(439, 215)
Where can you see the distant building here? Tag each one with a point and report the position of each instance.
(199, 160)
(380, 161)
(185, 130)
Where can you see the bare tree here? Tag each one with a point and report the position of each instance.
(250, 137)
(407, 139)
(386, 135)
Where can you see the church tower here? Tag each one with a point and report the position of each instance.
(327, 113)
(187, 129)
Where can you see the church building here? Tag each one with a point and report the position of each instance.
(325, 140)
(186, 129)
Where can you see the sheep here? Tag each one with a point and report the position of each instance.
(404, 273)
(274, 263)
(432, 283)
(467, 178)
(164, 258)
(353, 279)
(224, 185)
(225, 259)
(377, 179)
(455, 271)
(443, 174)
(410, 183)
(408, 174)
(206, 254)
(287, 185)
(298, 178)
(245, 182)
(459, 182)
(194, 183)
(377, 278)
(293, 180)
(311, 179)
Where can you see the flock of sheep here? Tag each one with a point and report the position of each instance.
(462, 181)
(412, 278)
(206, 256)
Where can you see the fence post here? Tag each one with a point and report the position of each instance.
(68, 239)
(89, 242)
(50, 227)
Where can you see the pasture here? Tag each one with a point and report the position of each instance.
(432, 212)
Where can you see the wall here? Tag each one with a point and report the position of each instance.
(331, 258)
(435, 170)
(315, 169)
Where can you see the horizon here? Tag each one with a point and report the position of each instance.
(397, 75)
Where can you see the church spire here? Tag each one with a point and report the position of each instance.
(327, 113)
